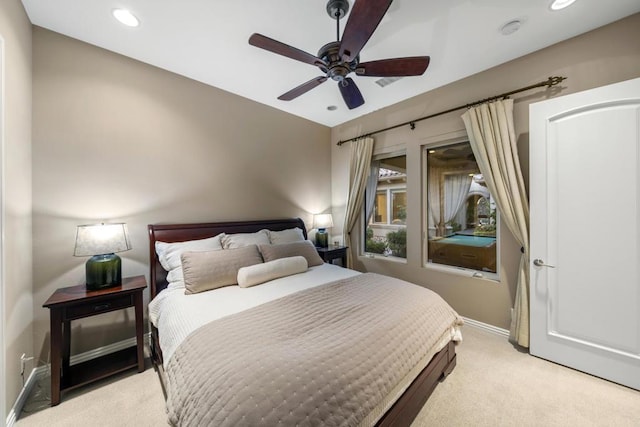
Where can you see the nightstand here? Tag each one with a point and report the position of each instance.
(76, 302)
(330, 253)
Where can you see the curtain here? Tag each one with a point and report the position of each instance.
(493, 140)
(456, 190)
(433, 184)
(359, 170)
(370, 191)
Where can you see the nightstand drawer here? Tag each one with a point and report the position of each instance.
(98, 307)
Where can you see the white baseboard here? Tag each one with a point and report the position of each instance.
(12, 417)
(43, 371)
(486, 327)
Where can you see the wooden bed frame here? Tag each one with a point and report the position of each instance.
(404, 410)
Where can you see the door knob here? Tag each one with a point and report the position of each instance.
(540, 263)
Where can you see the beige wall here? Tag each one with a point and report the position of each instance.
(606, 55)
(115, 139)
(17, 311)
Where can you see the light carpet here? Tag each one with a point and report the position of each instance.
(492, 385)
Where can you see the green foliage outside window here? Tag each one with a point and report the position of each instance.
(375, 245)
(394, 243)
(397, 241)
(487, 229)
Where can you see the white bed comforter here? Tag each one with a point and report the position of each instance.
(176, 315)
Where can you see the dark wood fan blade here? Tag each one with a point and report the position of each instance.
(350, 93)
(363, 21)
(266, 43)
(303, 88)
(396, 67)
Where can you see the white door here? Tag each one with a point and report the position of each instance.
(585, 231)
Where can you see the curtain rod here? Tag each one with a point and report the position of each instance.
(551, 81)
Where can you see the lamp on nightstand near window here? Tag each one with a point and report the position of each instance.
(101, 242)
(322, 222)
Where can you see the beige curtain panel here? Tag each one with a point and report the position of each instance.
(359, 169)
(493, 140)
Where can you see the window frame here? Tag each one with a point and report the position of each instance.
(363, 232)
(424, 189)
(388, 194)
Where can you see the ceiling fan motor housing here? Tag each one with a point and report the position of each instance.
(337, 69)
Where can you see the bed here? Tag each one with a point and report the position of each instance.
(234, 362)
(461, 250)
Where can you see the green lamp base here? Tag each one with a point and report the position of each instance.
(322, 238)
(104, 271)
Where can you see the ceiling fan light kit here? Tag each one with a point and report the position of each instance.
(340, 58)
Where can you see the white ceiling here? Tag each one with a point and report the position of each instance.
(207, 40)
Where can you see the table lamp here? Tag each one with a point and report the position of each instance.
(322, 222)
(101, 242)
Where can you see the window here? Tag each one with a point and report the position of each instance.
(461, 213)
(386, 212)
(380, 209)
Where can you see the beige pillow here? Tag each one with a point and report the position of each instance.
(286, 250)
(204, 271)
(238, 240)
(286, 236)
(260, 273)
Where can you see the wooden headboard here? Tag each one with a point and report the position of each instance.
(182, 232)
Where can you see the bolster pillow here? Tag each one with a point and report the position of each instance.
(260, 273)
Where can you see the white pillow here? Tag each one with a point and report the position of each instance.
(169, 254)
(260, 273)
(239, 240)
(286, 236)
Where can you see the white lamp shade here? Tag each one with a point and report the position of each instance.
(322, 221)
(100, 239)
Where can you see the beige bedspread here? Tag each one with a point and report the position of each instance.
(330, 355)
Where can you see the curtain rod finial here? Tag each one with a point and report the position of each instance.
(555, 80)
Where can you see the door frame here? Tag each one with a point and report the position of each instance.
(2, 222)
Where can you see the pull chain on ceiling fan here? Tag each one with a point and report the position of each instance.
(340, 58)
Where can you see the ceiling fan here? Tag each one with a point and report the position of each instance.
(340, 58)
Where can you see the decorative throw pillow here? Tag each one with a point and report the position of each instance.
(169, 254)
(286, 250)
(260, 273)
(204, 271)
(238, 240)
(286, 236)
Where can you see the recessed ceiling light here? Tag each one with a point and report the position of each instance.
(511, 27)
(561, 4)
(125, 17)
(332, 108)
